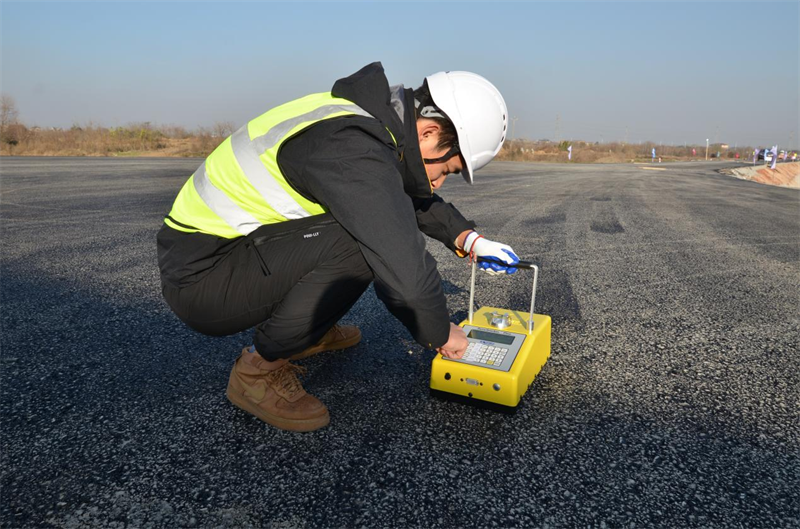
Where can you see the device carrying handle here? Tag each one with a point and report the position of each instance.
(525, 265)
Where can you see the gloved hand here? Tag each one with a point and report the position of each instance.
(502, 254)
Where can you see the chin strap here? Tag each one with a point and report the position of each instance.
(454, 150)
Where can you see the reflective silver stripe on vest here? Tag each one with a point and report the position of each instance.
(255, 172)
(222, 205)
(247, 154)
(274, 135)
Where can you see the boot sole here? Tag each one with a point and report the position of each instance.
(292, 425)
(335, 346)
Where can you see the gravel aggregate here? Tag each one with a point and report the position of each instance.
(671, 399)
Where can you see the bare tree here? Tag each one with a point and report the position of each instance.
(10, 128)
(223, 129)
(8, 111)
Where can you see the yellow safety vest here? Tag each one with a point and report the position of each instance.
(240, 186)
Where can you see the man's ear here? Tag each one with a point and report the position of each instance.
(427, 128)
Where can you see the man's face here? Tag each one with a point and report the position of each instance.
(428, 131)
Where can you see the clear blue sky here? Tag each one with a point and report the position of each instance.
(666, 72)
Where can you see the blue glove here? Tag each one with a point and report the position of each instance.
(501, 254)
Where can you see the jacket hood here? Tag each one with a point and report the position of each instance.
(369, 89)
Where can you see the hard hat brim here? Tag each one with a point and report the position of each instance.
(466, 156)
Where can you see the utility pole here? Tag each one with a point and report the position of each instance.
(706, 149)
(513, 127)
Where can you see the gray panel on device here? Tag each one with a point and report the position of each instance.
(491, 349)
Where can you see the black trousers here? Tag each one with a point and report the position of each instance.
(292, 284)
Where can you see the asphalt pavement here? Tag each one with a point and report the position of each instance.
(671, 399)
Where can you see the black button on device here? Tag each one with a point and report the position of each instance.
(447, 376)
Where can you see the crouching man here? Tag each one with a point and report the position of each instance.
(290, 219)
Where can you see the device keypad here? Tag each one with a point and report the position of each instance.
(480, 353)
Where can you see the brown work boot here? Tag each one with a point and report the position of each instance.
(272, 392)
(338, 337)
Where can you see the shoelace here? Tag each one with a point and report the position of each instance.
(337, 330)
(284, 379)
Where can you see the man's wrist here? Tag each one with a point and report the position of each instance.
(469, 241)
(462, 239)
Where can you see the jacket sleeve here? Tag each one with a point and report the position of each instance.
(354, 175)
(441, 220)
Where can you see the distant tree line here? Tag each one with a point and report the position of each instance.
(614, 152)
(138, 139)
(133, 139)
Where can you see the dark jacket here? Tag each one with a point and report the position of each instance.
(378, 192)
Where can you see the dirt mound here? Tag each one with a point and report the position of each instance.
(784, 174)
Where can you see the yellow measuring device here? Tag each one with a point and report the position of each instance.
(506, 351)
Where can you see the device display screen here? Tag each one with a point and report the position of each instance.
(491, 337)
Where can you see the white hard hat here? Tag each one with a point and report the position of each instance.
(478, 111)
